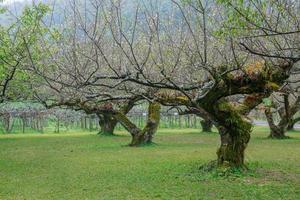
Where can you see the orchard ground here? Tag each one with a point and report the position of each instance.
(84, 165)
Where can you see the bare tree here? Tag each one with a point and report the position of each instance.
(180, 54)
(285, 105)
(177, 53)
(68, 63)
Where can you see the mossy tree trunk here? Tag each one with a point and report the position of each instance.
(234, 131)
(206, 125)
(142, 136)
(146, 135)
(107, 124)
(229, 99)
(232, 150)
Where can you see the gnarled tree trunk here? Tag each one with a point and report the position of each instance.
(286, 117)
(107, 124)
(234, 131)
(145, 136)
(206, 125)
(142, 136)
(276, 131)
(232, 150)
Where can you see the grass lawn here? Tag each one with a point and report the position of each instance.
(87, 166)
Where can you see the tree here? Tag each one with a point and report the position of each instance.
(105, 111)
(107, 123)
(145, 135)
(206, 126)
(140, 136)
(218, 60)
(286, 105)
(206, 122)
(65, 77)
(14, 41)
(202, 66)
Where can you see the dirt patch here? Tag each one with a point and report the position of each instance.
(266, 176)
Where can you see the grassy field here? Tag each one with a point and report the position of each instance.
(87, 166)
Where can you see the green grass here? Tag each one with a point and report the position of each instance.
(87, 166)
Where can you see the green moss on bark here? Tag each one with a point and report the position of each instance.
(235, 135)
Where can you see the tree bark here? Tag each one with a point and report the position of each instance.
(107, 124)
(286, 114)
(206, 125)
(146, 135)
(276, 131)
(232, 150)
(234, 131)
(142, 136)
